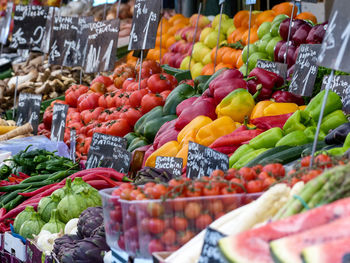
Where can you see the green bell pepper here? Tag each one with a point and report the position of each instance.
(130, 137)
(267, 139)
(136, 143)
(333, 103)
(153, 114)
(310, 134)
(241, 151)
(180, 93)
(298, 121)
(294, 138)
(152, 127)
(333, 120)
(248, 157)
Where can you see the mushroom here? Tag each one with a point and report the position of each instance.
(31, 76)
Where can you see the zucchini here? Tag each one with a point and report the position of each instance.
(266, 154)
(321, 145)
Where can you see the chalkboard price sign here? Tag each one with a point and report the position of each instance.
(28, 110)
(202, 161)
(210, 250)
(341, 86)
(29, 26)
(171, 164)
(275, 67)
(305, 71)
(58, 122)
(120, 160)
(102, 46)
(334, 53)
(5, 29)
(72, 144)
(144, 24)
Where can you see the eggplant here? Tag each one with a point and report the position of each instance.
(338, 135)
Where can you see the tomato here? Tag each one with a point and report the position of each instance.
(136, 97)
(149, 193)
(310, 175)
(144, 225)
(149, 101)
(268, 181)
(156, 226)
(158, 83)
(118, 127)
(155, 209)
(126, 186)
(47, 118)
(149, 67)
(169, 237)
(227, 191)
(254, 186)
(132, 116)
(263, 175)
(305, 162)
(215, 206)
(217, 173)
(192, 210)
(184, 237)
(155, 246)
(134, 193)
(165, 94)
(149, 185)
(91, 115)
(211, 190)
(159, 190)
(106, 81)
(323, 161)
(117, 192)
(179, 223)
(193, 191)
(126, 194)
(275, 169)
(203, 221)
(116, 214)
(230, 174)
(247, 173)
(121, 242)
(237, 184)
(73, 93)
(88, 101)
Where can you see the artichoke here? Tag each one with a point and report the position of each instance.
(63, 244)
(89, 220)
(25, 215)
(100, 231)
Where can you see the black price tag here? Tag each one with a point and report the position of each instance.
(119, 161)
(172, 164)
(28, 110)
(202, 161)
(102, 46)
(5, 29)
(73, 144)
(58, 122)
(305, 71)
(144, 24)
(29, 26)
(275, 67)
(335, 48)
(341, 86)
(210, 250)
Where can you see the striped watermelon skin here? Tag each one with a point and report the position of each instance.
(288, 249)
(253, 245)
(330, 252)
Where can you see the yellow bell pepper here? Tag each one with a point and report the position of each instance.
(183, 153)
(279, 108)
(170, 149)
(210, 132)
(258, 110)
(190, 136)
(194, 125)
(238, 105)
(302, 107)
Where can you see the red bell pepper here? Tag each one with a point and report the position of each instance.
(147, 154)
(224, 78)
(286, 96)
(226, 149)
(165, 134)
(268, 122)
(184, 104)
(227, 87)
(202, 106)
(236, 138)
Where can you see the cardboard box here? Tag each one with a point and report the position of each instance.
(160, 257)
(34, 254)
(6, 257)
(14, 246)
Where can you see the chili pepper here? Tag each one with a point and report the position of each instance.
(5, 183)
(108, 180)
(338, 135)
(176, 96)
(333, 120)
(298, 121)
(310, 134)
(99, 184)
(38, 191)
(294, 138)
(184, 104)
(333, 103)
(23, 175)
(286, 96)
(248, 157)
(10, 188)
(266, 123)
(280, 108)
(258, 110)
(5, 171)
(267, 139)
(14, 212)
(2, 211)
(237, 105)
(201, 107)
(245, 149)
(169, 149)
(192, 127)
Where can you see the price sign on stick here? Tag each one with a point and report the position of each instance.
(210, 249)
(72, 145)
(305, 71)
(341, 86)
(5, 29)
(275, 67)
(202, 161)
(29, 26)
(28, 110)
(102, 46)
(171, 164)
(250, 2)
(58, 122)
(144, 24)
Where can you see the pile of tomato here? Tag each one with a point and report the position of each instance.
(112, 104)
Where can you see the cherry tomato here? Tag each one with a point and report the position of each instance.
(159, 190)
(193, 191)
(184, 237)
(237, 184)
(125, 194)
(268, 181)
(217, 173)
(156, 226)
(155, 209)
(203, 221)
(116, 214)
(168, 237)
(121, 242)
(305, 162)
(323, 161)
(179, 223)
(254, 186)
(230, 174)
(258, 168)
(149, 184)
(311, 175)
(263, 175)
(275, 169)
(247, 173)
(155, 246)
(215, 206)
(211, 190)
(192, 210)
(149, 101)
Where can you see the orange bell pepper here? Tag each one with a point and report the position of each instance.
(220, 127)
(194, 125)
(280, 108)
(190, 136)
(258, 110)
(170, 149)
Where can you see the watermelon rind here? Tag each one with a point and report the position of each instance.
(227, 246)
(280, 251)
(312, 255)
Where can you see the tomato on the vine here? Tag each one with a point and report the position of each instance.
(275, 169)
(323, 161)
(149, 101)
(254, 186)
(158, 83)
(247, 173)
(211, 190)
(305, 162)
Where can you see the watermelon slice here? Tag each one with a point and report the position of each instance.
(253, 245)
(288, 249)
(330, 252)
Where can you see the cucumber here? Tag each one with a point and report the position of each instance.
(266, 154)
(321, 145)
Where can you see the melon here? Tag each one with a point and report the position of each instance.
(253, 245)
(288, 249)
(330, 252)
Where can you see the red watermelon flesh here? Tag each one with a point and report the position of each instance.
(253, 245)
(329, 252)
(288, 249)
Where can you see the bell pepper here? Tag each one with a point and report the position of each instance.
(184, 104)
(266, 123)
(202, 106)
(147, 154)
(298, 121)
(280, 108)
(294, 138)
(310, 134)
(130, 137)
(170, 149)
(136, 143)
(227, 87)
(333, 103)
(228, 150)
(190, 136)
(286, 96)
(151, 127)
(245, 149)
(248, 157)
(183, 153)
(220, 127)
(333, 120)
(224, 78)
(193, 127)
(155, 113)
(258, 110)
(165, 134)
(267, 139)
(179, 94)
(237, 105)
